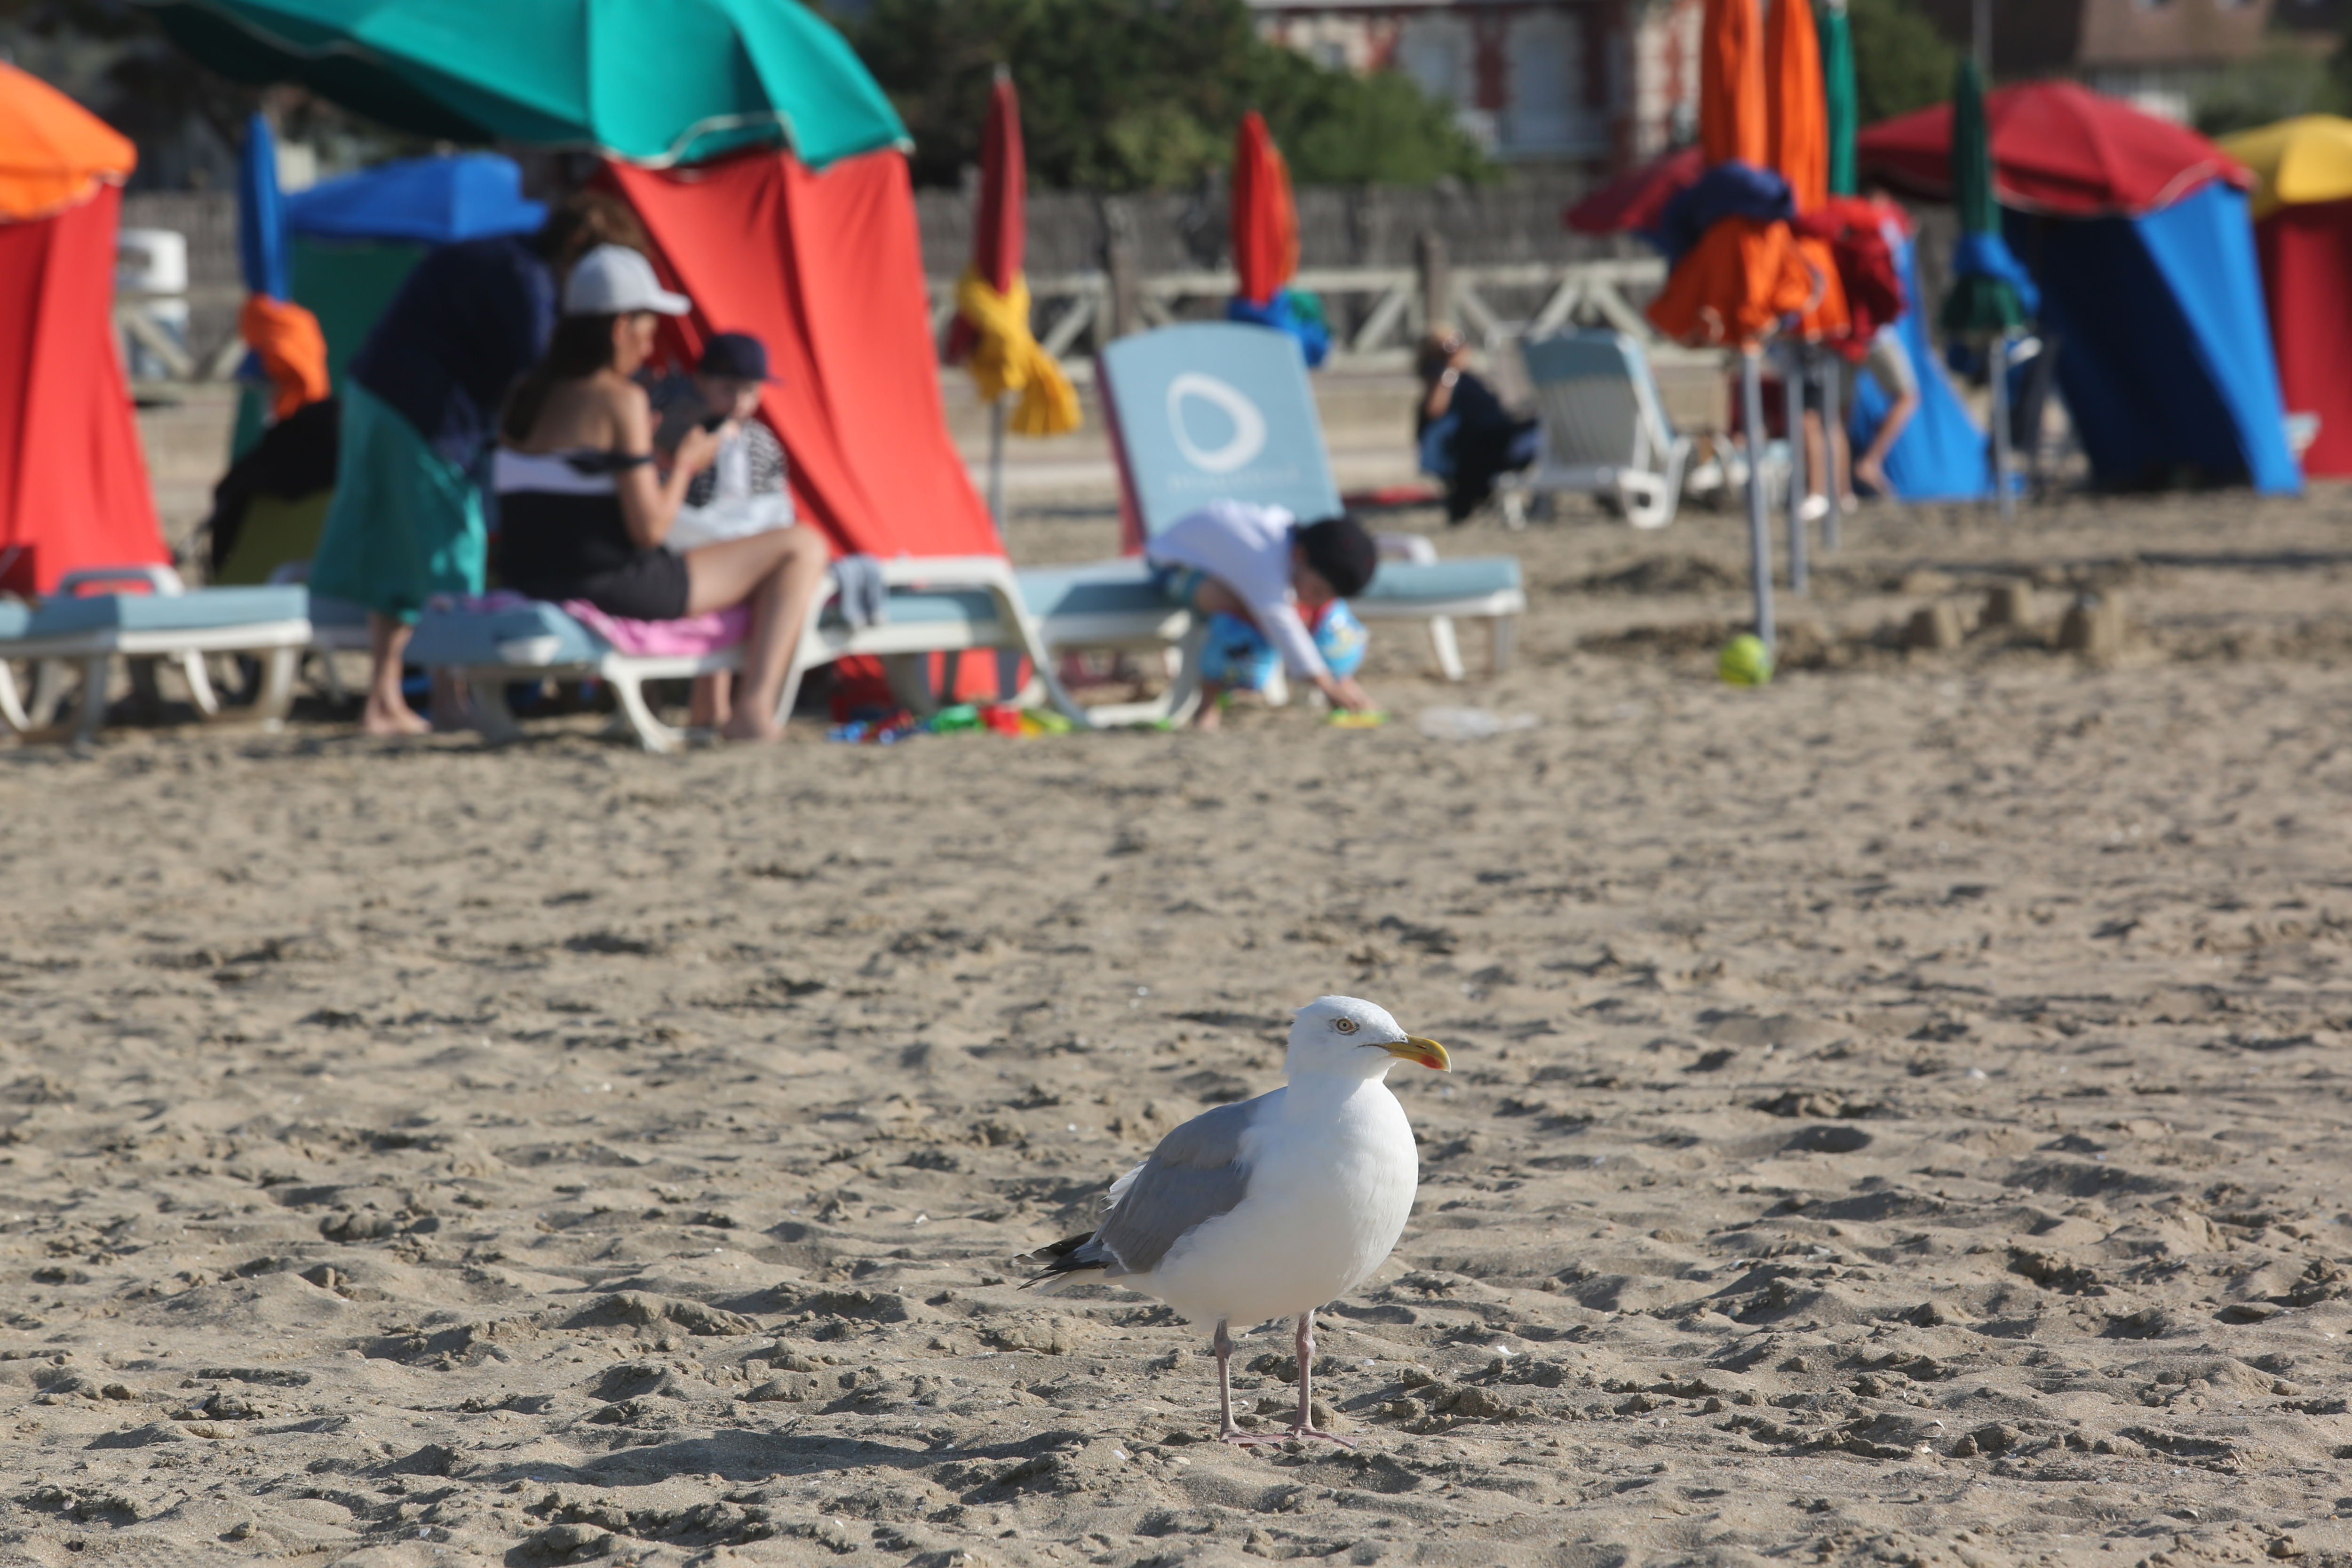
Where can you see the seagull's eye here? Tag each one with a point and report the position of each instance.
(1345, 1026)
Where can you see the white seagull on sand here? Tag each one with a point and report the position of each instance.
(1274, 1206)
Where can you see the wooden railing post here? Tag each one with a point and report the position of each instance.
(1436, 279)
(1122, 272)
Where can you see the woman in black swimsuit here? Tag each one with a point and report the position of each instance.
(583, 511)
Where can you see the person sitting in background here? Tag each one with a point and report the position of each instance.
(584, 515)
(1254, 572)
(419, 407)
(1467, 438)
(742, 492)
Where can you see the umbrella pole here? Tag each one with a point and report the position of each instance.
(1793, 384)
(1996, 365)
(996, 465)
(1833, 435)
(1759, 527)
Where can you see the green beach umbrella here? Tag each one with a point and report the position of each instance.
(653, 82)
(1984, 298)
(1836, 32)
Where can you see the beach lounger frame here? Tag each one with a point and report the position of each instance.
(937, 604)
(167, 622)
(1604, 427)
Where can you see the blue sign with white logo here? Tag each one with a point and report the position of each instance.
(1216, 411)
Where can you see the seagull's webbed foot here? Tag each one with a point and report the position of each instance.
(1241, 1439)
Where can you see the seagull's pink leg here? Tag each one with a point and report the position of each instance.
(1306, 1426)
(1223, 1345)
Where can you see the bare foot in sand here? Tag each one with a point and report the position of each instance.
(746, 725)
(395, 718)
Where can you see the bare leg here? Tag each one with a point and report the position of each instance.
(1223, 1345)
(387, 712)
(1209, 714)
(780, 574)
(712, 701)
(1306, 1426)
(1868, 467)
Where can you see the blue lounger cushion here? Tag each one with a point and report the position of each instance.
(529, 634)
(1107, 589)
(201, 609)
(338, 613)
(1404, 582)
(927, 607)
(13, 619)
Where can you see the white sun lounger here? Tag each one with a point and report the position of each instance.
(1224, 410)
(1604, 429)
(169, 621)
(935, 605)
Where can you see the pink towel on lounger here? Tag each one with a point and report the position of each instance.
(689, 637)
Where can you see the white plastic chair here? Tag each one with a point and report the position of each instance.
(1604, 429)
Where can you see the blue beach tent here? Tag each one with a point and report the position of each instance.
(2163, 348)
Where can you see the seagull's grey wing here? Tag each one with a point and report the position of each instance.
(1195, 1174)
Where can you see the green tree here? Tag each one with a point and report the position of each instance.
(1143, 94)
(2284, 79)
(1900, 61)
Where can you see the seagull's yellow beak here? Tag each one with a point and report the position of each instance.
(1428, 1052)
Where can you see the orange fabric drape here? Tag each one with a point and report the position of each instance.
(1264, 214)
(1735, 285)
(1731, 98)
(292, 348)
(54, 154)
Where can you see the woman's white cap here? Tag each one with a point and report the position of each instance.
(614, 281)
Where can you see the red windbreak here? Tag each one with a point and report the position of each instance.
(2306, 255)
(828, 271)
(73, 485)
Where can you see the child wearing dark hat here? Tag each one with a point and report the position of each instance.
(743, 491)
(1259, 575)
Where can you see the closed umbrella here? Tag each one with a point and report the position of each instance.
(1635, 202)
(651, 82)
(1264, 223)
(288, 349)
(991, 330)
(1991, 295)
(1745, 274)
(1798, 133)
(1840, 94)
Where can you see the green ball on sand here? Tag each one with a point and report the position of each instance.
(1745, 661)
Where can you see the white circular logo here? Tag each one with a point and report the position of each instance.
(1248, 438)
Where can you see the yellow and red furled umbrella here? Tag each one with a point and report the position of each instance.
(991, 331)
(1266, 244)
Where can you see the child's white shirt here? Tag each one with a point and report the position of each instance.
(1246, 548)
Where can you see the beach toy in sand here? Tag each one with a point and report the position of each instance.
(1745, 661)
(1274, 1207)
(1357, 719)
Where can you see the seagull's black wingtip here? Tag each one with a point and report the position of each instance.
(1059, 1259)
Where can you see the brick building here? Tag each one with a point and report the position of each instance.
(1596, 84)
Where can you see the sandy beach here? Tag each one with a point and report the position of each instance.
(1898, 1115)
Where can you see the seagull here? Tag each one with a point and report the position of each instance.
(1273, 1206)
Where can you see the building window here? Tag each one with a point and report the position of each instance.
(1547, 112)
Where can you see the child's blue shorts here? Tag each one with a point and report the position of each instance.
(1238, 657)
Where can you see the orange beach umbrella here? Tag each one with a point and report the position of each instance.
(54, 154)
(1799, 134)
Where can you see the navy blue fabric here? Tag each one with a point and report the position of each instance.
(1987, 255)
(1941, 455)
(1726, 190)
(431, 201)
(469, 320)
(2167, 372)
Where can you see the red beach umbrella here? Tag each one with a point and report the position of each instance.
(1633, 203)
(2057, 148)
